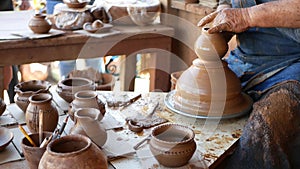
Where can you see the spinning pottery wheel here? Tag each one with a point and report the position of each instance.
(208, 88)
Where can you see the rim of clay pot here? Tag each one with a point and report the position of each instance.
(189, 133)
(65, 82)
(69, 138)
(40, 97)
(85, 94)
(28, 145)
(18, 88)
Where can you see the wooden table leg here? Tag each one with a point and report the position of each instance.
(128, 71)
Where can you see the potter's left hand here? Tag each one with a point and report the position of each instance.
(228, 19)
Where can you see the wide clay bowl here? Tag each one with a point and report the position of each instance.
(6, 137)
(28, 88)
(172, 145)
(67, 88)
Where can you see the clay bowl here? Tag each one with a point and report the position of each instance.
(75, 4)
(67, 88)
(88, 26)
(6, 137)
(2, 106)
(28, 88)
(172, 145)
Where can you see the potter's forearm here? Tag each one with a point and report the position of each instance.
(282, 13)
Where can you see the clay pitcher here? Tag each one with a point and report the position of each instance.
(73, 151)
(39, 24)
(41, 102)
(86, 99)
(88, 124)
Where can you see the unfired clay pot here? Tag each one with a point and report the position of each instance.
(88, 123)
(173, 145)
(32, 154)
(41, 102)
(86, 99)
(28, 88)
(208, 87)
(68, 87)
(73, 151)
(39, 24)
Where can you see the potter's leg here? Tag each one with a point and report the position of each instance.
(272, 126)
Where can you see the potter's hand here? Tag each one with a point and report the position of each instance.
(228, 19)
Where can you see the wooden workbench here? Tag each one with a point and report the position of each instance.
(130, 40)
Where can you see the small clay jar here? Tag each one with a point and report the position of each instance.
(210, 47)
(41, 103)
(172, 145)
(86, 99)
(2, 106)
(32, 154)
(73, 151)
(28, 88)
(39, 24)
(67, 88)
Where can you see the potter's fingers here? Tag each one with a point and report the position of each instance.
(220, 28)
(207, 19)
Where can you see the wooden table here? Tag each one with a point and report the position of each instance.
(130, 40)
(214, 139)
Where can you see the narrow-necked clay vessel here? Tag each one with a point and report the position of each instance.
(28, 88)
(208, 87)
(86, 99)
(41, 103)
(66, 88)
(73, 151)
(88, 123)
(173, 145)
(39, 24)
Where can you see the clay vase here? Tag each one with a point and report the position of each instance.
(86, 99)
(88, 123)
(41, 102)
(39, 24)
(28, 88)
(32, 154)
(210, 47)
(66, 88)
(2, 106)
(73, 151)
(172, 145)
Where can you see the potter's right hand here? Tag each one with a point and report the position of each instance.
(228, 19)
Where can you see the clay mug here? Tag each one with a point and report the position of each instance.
(88, 123)
(73, 151)
(172, 145)
(86, 99)
(33, 154)
(39, 24)
(41, 103)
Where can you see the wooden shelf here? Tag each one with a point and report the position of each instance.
(192, 7)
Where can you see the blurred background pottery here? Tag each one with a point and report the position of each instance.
(73, 150)
(28, 88)
(88, 123)
(41, 102)
(174, 77)
(75, 3)
(67, 88)
(39, 24)
(32, 154)
(86, 99)
(172, 145)
(6, 137)
(2, 106)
